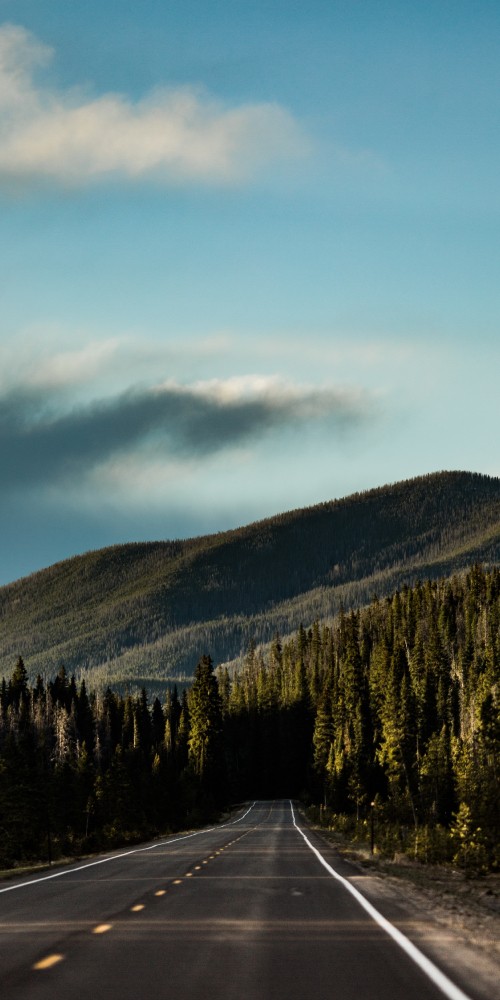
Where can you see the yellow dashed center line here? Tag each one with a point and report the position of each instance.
(51, 960)
(48, 962)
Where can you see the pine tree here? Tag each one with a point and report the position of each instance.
(205, 739)
(323, 735)
(19, 683)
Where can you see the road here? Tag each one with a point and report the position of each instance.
(243, 911)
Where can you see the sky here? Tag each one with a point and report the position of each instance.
(249, 260)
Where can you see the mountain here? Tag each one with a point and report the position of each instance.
(140, 613)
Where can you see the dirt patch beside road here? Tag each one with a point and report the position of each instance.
(454, 919)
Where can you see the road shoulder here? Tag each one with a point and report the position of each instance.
(455, 921)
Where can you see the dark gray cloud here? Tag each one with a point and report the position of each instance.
(39, 445)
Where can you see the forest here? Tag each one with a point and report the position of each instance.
(136, 614)
(385, 723)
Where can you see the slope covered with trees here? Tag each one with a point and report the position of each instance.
(392, 712)
(138, 613)
(394, 708)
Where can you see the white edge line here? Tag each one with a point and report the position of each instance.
(124, 854)
(439, 979)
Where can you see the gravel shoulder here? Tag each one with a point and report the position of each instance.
(456, 920)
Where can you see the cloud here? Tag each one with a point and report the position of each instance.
(171, 135)
(72, 367)
(42, 443)
(52, 358)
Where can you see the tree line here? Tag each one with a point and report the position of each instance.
(149, 609)
(387, 717)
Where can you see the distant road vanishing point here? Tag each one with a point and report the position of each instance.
(253, 909)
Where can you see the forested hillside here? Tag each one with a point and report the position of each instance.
(139, 613)
(391, 715)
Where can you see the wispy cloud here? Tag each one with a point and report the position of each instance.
(42, 442)
(67, 368)
(44, 357)
(171, 135)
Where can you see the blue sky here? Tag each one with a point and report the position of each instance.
(249, 259)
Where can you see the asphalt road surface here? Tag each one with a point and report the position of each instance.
(243, 911)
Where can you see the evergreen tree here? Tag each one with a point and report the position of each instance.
(205, 739)
(323, 735)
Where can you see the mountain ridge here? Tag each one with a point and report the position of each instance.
(139, 612)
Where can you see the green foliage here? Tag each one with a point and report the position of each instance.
(137, 614)
(205, 746)
(396, 704)
(432, 655)
(470, 852)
